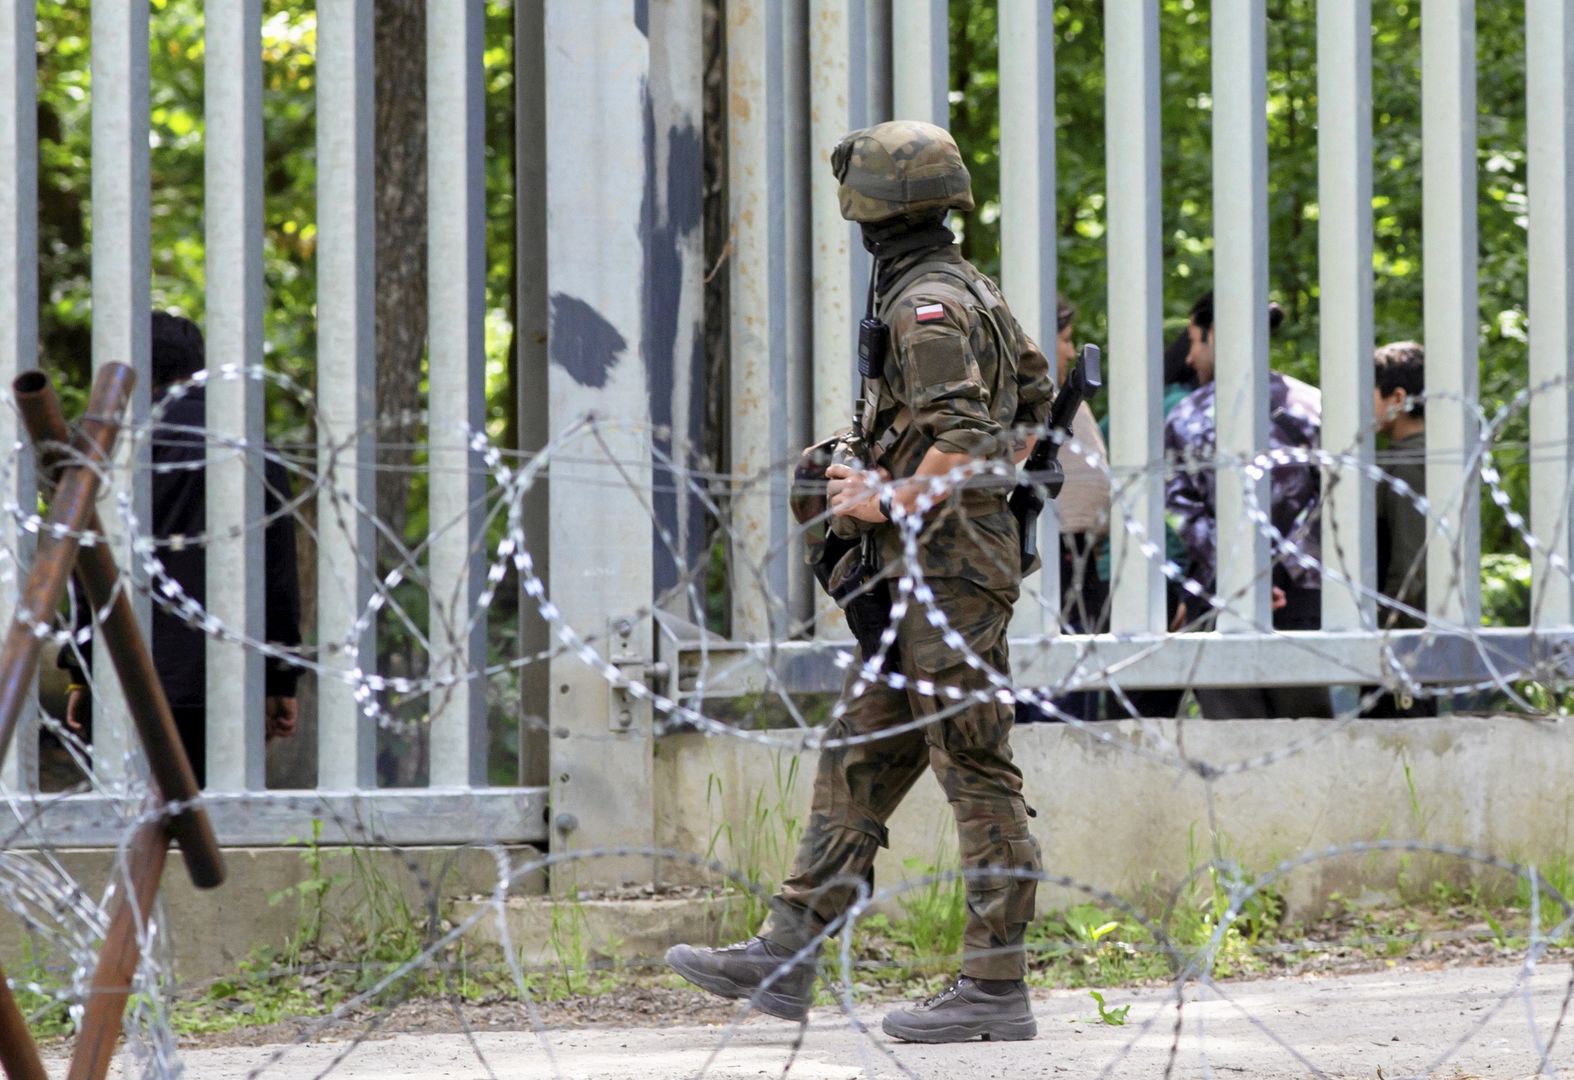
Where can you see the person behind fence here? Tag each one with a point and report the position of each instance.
(1294, 421)
(952, 383)
(1399, 414)
(179, 449)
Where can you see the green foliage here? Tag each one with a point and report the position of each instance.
(1112, 1017)
(1505, 590)
(760, 848)
(1186, 242)
(934, 915)
(289, 41)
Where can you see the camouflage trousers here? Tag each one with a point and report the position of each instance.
(967, 744)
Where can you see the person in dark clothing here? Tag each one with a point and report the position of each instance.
(1399, 381)
(179, 450)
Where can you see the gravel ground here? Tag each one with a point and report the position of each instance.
(1449, 1023)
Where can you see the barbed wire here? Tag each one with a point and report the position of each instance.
(698, 689)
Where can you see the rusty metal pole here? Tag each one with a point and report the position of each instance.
(69, 512)
(122, 638)
(117, 960)
(18, 1053)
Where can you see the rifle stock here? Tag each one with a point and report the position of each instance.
(1041, 474)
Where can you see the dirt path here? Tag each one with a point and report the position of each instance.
(1388, 1025)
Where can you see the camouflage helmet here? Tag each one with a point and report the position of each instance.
(900, 167)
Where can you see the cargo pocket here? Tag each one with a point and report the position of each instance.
(1025, 858)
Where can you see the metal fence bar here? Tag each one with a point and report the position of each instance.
(839, 34)
(602, 764)
(18, 320)
(232, 163)
(456, 274)
(121, 268)
(1344, 242)
(1028, 235)
(530, 336)
(793, 384)
(346, 386)
(1448, 270)
(1072, 663)
(674, 185)
(1549, 32)
(878, 61)
(920, 65)
(1136, 313)
(1240, 261)
(757, 194)
(397, 816)
(838, 103)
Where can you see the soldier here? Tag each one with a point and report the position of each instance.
(959, 380)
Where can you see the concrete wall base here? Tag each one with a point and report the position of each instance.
(1120, 814)
(574, 934)
(261, 902)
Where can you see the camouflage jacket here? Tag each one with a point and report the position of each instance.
(963, 376)
(1295, 417)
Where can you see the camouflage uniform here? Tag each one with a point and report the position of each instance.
(959, 382)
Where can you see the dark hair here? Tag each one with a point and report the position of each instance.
(178, 352)
(1064, 313)
(1176, 370)
(1401, 365)
(1202, 313)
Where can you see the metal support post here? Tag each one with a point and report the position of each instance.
(920, 61)
(839, 37)
(18, 322)
(792, 386)
(1136, 314)
(597, 75)
(1240, 308)
(1549, 33)
(761, 428)
(674, 186)
(1344, 242)
(346, 389)
(233, 482)
(1027, 240)
(456, 275)
(122, 265)
(530, 338)
(1452, 309)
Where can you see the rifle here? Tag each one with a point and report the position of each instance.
(1042, 476)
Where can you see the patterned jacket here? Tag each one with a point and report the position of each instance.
(1295, 417)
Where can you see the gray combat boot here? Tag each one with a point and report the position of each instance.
(965, 1010)
(736, 971)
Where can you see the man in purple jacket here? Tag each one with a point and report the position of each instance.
(1294, 421)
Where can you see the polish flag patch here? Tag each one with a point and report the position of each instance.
(930, 313)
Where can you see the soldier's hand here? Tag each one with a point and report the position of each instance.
(855, 493)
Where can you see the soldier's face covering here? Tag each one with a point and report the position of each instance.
(901, 235)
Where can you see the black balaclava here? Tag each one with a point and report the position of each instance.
(893, 238)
